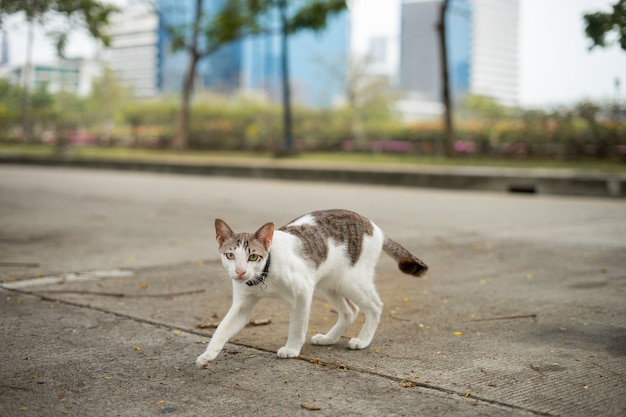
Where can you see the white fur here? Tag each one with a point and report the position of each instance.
(293, 278)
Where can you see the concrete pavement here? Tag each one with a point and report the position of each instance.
(522, 312)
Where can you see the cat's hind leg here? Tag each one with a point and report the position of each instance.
(347, 312)
(298, 322)
(367, 298)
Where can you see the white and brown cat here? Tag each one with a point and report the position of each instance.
(332, 251)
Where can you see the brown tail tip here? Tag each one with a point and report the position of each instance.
(412, 266)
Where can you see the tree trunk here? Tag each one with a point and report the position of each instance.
(27, 123)
(288, 147)
(181, 134)
(448, 136)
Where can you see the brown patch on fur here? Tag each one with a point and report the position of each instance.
(228, 240)
(342, 226)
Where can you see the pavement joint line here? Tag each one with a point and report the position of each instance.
(69, 277)
(467, 395)
(301, 358)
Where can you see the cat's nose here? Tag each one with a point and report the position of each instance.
(240, 272)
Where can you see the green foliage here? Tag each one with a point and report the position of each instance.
(599, 24)
(239, 18)
(313, 15)
(93, 15)
(582, 131)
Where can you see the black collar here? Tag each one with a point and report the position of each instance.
(261, 278)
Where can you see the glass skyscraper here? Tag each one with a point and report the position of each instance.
(318, 61)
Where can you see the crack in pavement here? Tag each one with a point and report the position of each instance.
(310, 360)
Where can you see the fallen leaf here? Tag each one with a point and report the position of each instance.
(529, 276)
(160, 402)
(23, 408)
(316, 361)
(143, 286)
(408, 384)
(108, 377)
(585, 386)
(467, 395)
(377, 351)
(176, 331)
(457, 333)
(137, 348)
(260, 322)
(306, 406)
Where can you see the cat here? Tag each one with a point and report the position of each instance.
(331, 251)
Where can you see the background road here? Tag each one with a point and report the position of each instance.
(73, 220)
(522, 311)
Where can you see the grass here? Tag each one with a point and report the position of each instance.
(123, 153)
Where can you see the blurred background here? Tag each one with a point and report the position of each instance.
(500, 79)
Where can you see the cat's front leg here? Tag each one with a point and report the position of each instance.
(298, 322)
(235, 320)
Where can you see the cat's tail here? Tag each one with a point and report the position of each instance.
(407, 262)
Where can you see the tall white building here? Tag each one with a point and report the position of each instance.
(134, 51)
(495, 57)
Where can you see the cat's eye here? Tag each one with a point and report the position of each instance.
(253, 257)
(229, 256)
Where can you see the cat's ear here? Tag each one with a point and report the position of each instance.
(265, 234)
(222, 231)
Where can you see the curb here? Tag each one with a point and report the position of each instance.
(528, 181)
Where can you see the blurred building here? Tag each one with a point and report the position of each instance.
(72, 75)
(317, 63)
(482, 53)
(134, 52)
(495, 50)
(420, 60)
(142, 56)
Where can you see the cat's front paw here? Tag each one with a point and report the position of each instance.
(356, 344)
(204, 360)
(322, 339)
(285, 352)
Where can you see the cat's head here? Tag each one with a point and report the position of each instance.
(243, 254)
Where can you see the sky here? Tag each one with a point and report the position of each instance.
(556, 66)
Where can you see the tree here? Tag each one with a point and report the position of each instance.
(369, 96)
(204, 35)
(92, 15)
(448, 149)
(599, 24)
